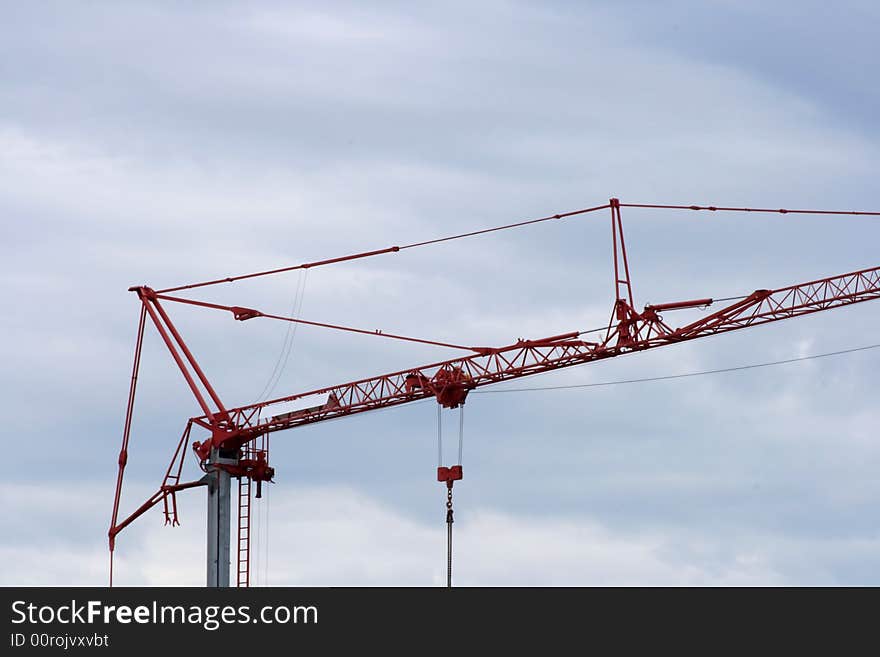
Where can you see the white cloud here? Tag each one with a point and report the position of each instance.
(339, 537)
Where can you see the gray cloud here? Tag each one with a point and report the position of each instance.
(161, 144)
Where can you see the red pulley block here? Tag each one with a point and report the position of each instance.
(450, 474)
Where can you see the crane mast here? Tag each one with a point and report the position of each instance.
(236, 444)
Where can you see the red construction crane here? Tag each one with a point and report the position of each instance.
(235, 444)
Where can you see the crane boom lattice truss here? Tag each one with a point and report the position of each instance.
(231, 446)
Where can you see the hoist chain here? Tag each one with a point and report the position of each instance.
(449, 522)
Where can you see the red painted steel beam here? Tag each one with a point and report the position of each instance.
(163, 333)
(240, 313)
(122, 461)
(390, 249)
(679, 305)
(518, 224)
(192, 361)
(157, 497)
(534, 357)
(716, 208)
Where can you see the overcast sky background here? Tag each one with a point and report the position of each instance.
(166, 142)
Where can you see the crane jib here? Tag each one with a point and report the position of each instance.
(647, 330)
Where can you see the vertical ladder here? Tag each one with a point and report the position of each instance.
(244, 531)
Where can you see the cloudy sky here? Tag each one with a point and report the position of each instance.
(166, 142)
